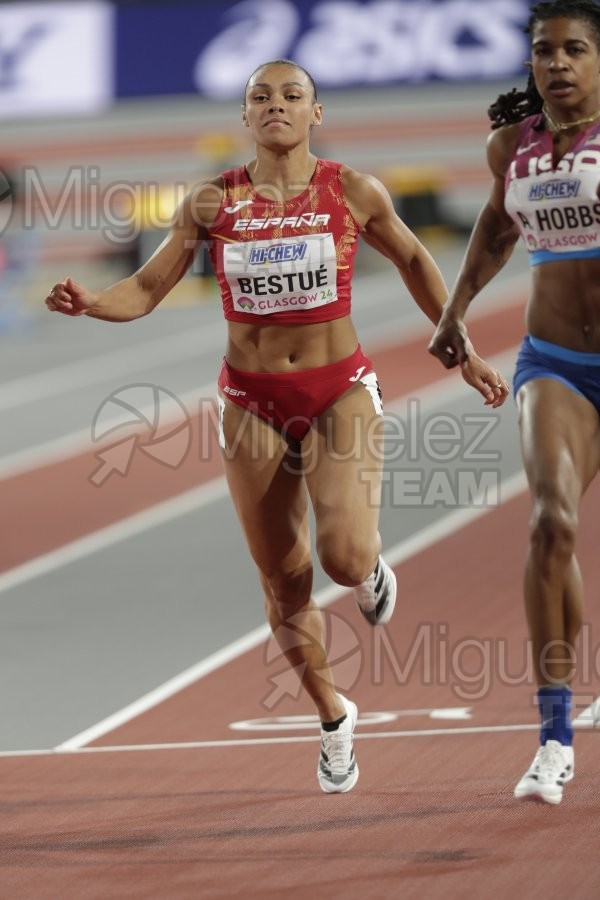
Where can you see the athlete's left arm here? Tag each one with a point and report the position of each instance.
(382, 229)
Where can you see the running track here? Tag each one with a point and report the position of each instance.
(168, 800)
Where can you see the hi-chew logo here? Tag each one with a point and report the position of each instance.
(555, 189)
(277, 253)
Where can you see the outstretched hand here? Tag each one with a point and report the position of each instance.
(451, 345)
(70, 298)
(488, 381)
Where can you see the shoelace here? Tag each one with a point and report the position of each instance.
(338, 747)
(550, 762)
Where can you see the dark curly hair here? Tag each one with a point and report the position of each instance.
(516, 105)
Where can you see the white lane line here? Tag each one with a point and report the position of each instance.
(80, 441)
(590, 717)
(133, 525)
(381, 717)
(305, 738)
(397, 554)
(115, 364)
(255, 742)
(66, 750)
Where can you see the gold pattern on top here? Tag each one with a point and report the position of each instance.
(309, 201)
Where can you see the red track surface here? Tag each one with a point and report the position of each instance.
(432, 815)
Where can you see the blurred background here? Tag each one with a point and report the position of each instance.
(110, 111)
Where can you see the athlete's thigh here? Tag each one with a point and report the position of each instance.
(343, 462)
(267, 487)
(560, 438)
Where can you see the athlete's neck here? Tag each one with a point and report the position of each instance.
(288, 174)
(556, 126)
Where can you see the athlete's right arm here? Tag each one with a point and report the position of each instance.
(141, 292)
(490, 246)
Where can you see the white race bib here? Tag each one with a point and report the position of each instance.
(292, 273)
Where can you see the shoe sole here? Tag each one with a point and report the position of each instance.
(535, 793)
(329, 788)
(539, 797)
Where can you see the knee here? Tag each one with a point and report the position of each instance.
(347, 561)
(553, 530)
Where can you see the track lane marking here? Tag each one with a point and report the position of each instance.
(254, 742)
(158, 514)
(432, 534)
(296, 739)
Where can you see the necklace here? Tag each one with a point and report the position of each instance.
(557, 127)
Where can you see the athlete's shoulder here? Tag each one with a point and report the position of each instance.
(353, 179)
(358, 189)
(501, 146)
(362, 185)
(204, 200)
(507, 137)
(366, 196)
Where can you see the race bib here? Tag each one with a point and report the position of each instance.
(291, 273)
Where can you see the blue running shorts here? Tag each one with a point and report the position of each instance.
(580, 372)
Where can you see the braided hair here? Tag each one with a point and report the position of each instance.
(516, 105)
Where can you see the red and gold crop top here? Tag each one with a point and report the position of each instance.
(290, 261)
